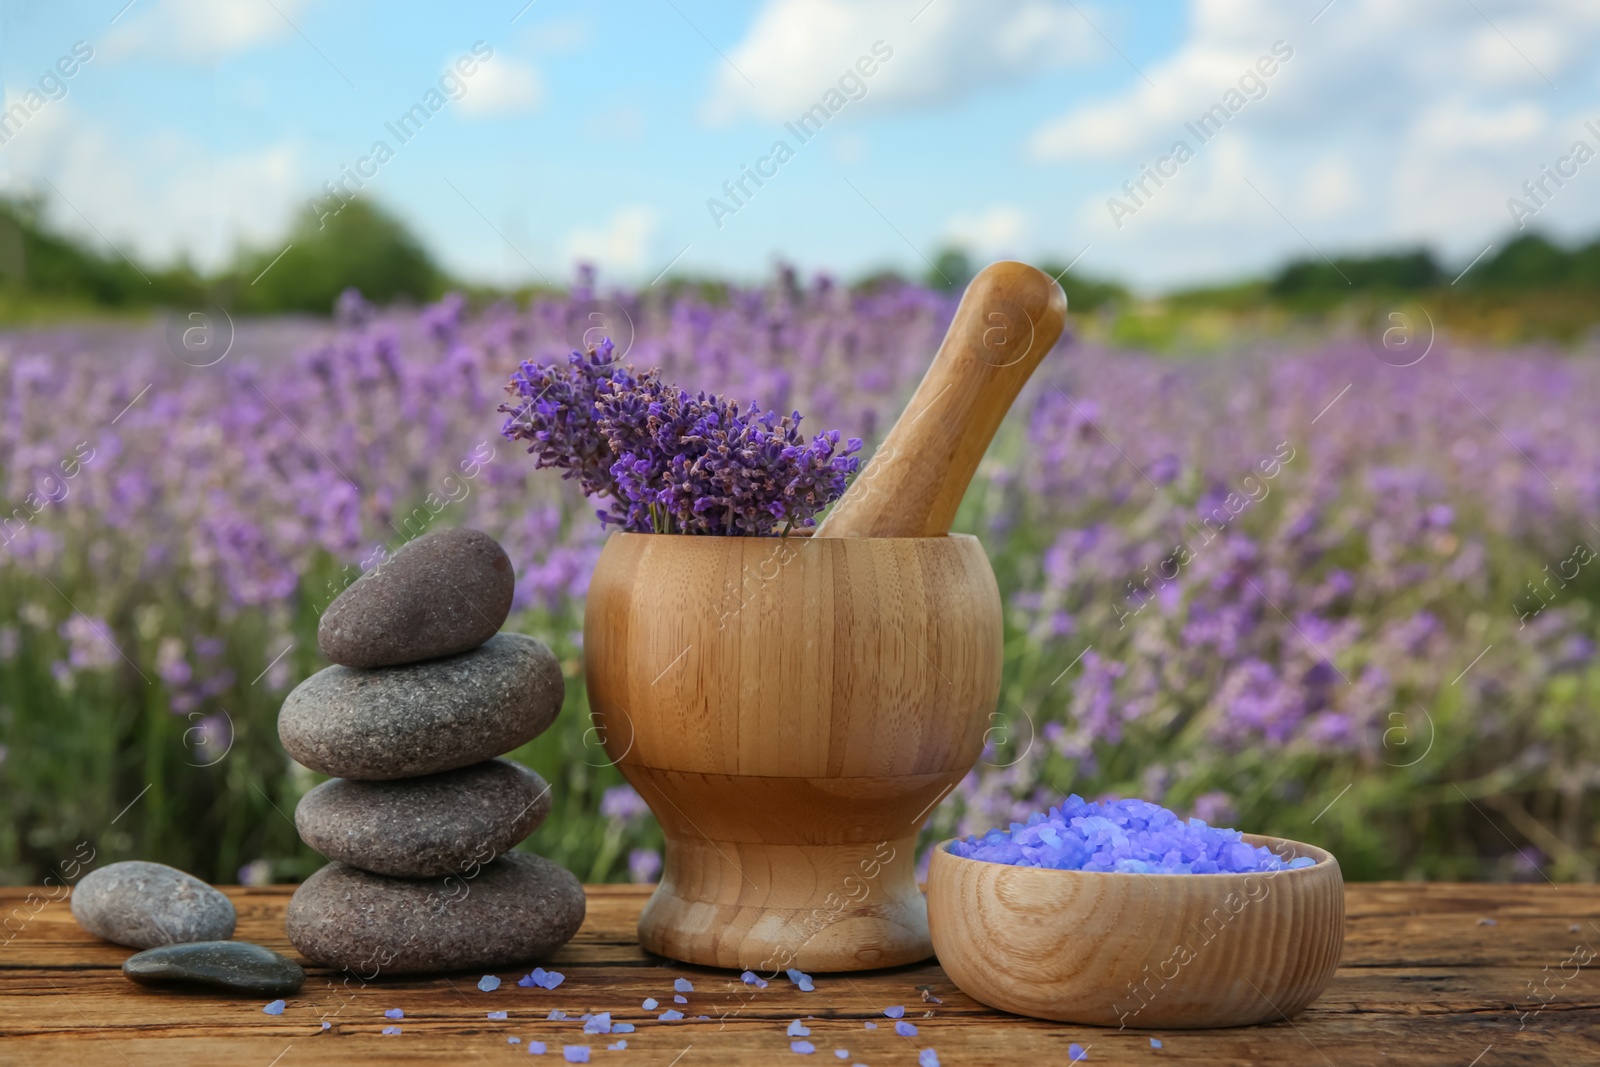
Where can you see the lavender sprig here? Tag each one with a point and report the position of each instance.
(669, 462)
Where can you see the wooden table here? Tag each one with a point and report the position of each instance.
(1432, 974)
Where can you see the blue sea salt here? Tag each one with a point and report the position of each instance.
(488, 983)
(1127, 836)
(1076, 1053)
(598, 1024)
(683, 985)
(496, 1015)
(800, 978)
(622, 1028)
(394, 1013)
(671, 1015)
(274, 1008)
(535, 1048)
(555, 1014)
(928, 1058)
(897, 1011)
(650, 1004)
(575, 1053)
(679, 998)
(1155, 1042)
(905, 1029)
(805, 1048)
(799, 1029)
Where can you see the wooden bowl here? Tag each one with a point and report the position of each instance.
(791, 709)
(1188, 951)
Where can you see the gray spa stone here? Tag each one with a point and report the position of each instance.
(420, 827)
(517, 910)
(400, 722)
(143, 905)
(443, 593)
(235, 965)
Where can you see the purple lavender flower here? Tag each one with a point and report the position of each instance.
(670, 462)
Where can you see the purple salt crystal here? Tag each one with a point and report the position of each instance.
(488, 983)
(799, 1029)
(1076, 1053)
(274, 1008)
(805, 1048)
(391, 1031)
(535, 1048)
(394, 1013)
(671, 1015)
(617, 1045)
(898, 1011)
(1155, 1042)
(575, 1053)
(842, 1053)
(905, 1029)
(679, 998)
(927, 1058)
(650, 1004)
(1128, 836)
(683, 985)
(496, 1015)
(555, 1014)
(598, 1024)
(871, 1025)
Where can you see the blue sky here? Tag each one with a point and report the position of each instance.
(600, 131)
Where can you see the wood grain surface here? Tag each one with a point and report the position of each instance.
(791, 709)
(1008, 320)
(1422, 983)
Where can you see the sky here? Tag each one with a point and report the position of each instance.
(1046, 130)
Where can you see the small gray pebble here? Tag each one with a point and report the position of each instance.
(236, 965)
(400, 722)
(420, 827)
(143, 905)
(517, 910)
(441, 594)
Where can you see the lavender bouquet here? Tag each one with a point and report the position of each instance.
(669, 462)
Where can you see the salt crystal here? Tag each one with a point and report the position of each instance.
(805, 1048)
(905, 1029)
(496, 1015)
(896, 1012)
(683, 985)
(575, 1053)
(395, 1013)
(651, 1004)
(799, 1029)
(274, 1008)
(671, 1015)
(1076, 1052)
(488, 983)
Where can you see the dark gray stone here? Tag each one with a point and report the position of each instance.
(399, 722)
(443, 593)
(143, 905)
(236, 965)
(517, 910)
(422, 827)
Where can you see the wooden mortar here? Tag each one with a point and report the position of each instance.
(793, 708)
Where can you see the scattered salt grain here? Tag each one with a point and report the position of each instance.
(872, 1026)
(391, 1031)
(928, 1058)
(496, 1015)
(650, 1004)
(622, 1028)
(513, 1040)
(749, 978)
(1076, 1053)
(275, 1008)
(805, 1048)
(395, 1013)
(1130, 836)
(679, 998)
(905, 1029)
(799, 1029)
(801, 979)
(671, 1015)
(683, 985)
(575, 1053)
(898, 1011)
(556, 1013)
(598, 1024)
(842, 1053)
(535, 1048)
(617, 1046)
(488, 983)
(1155, 1042)
(326, 1025)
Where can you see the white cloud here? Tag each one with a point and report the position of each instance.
(797, 50)
(993, 232)
(201, 30)
(502, 86)
(171, 196)
(623, 244)
(1391, 123)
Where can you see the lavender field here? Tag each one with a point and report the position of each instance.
(1303, 592)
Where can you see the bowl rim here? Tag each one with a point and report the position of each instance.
(1324, 860)
(792, 535)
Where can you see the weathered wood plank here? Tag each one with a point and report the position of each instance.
(1421, 982)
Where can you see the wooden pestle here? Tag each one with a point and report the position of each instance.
(1009, 317)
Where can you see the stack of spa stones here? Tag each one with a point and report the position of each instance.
(420, 816)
